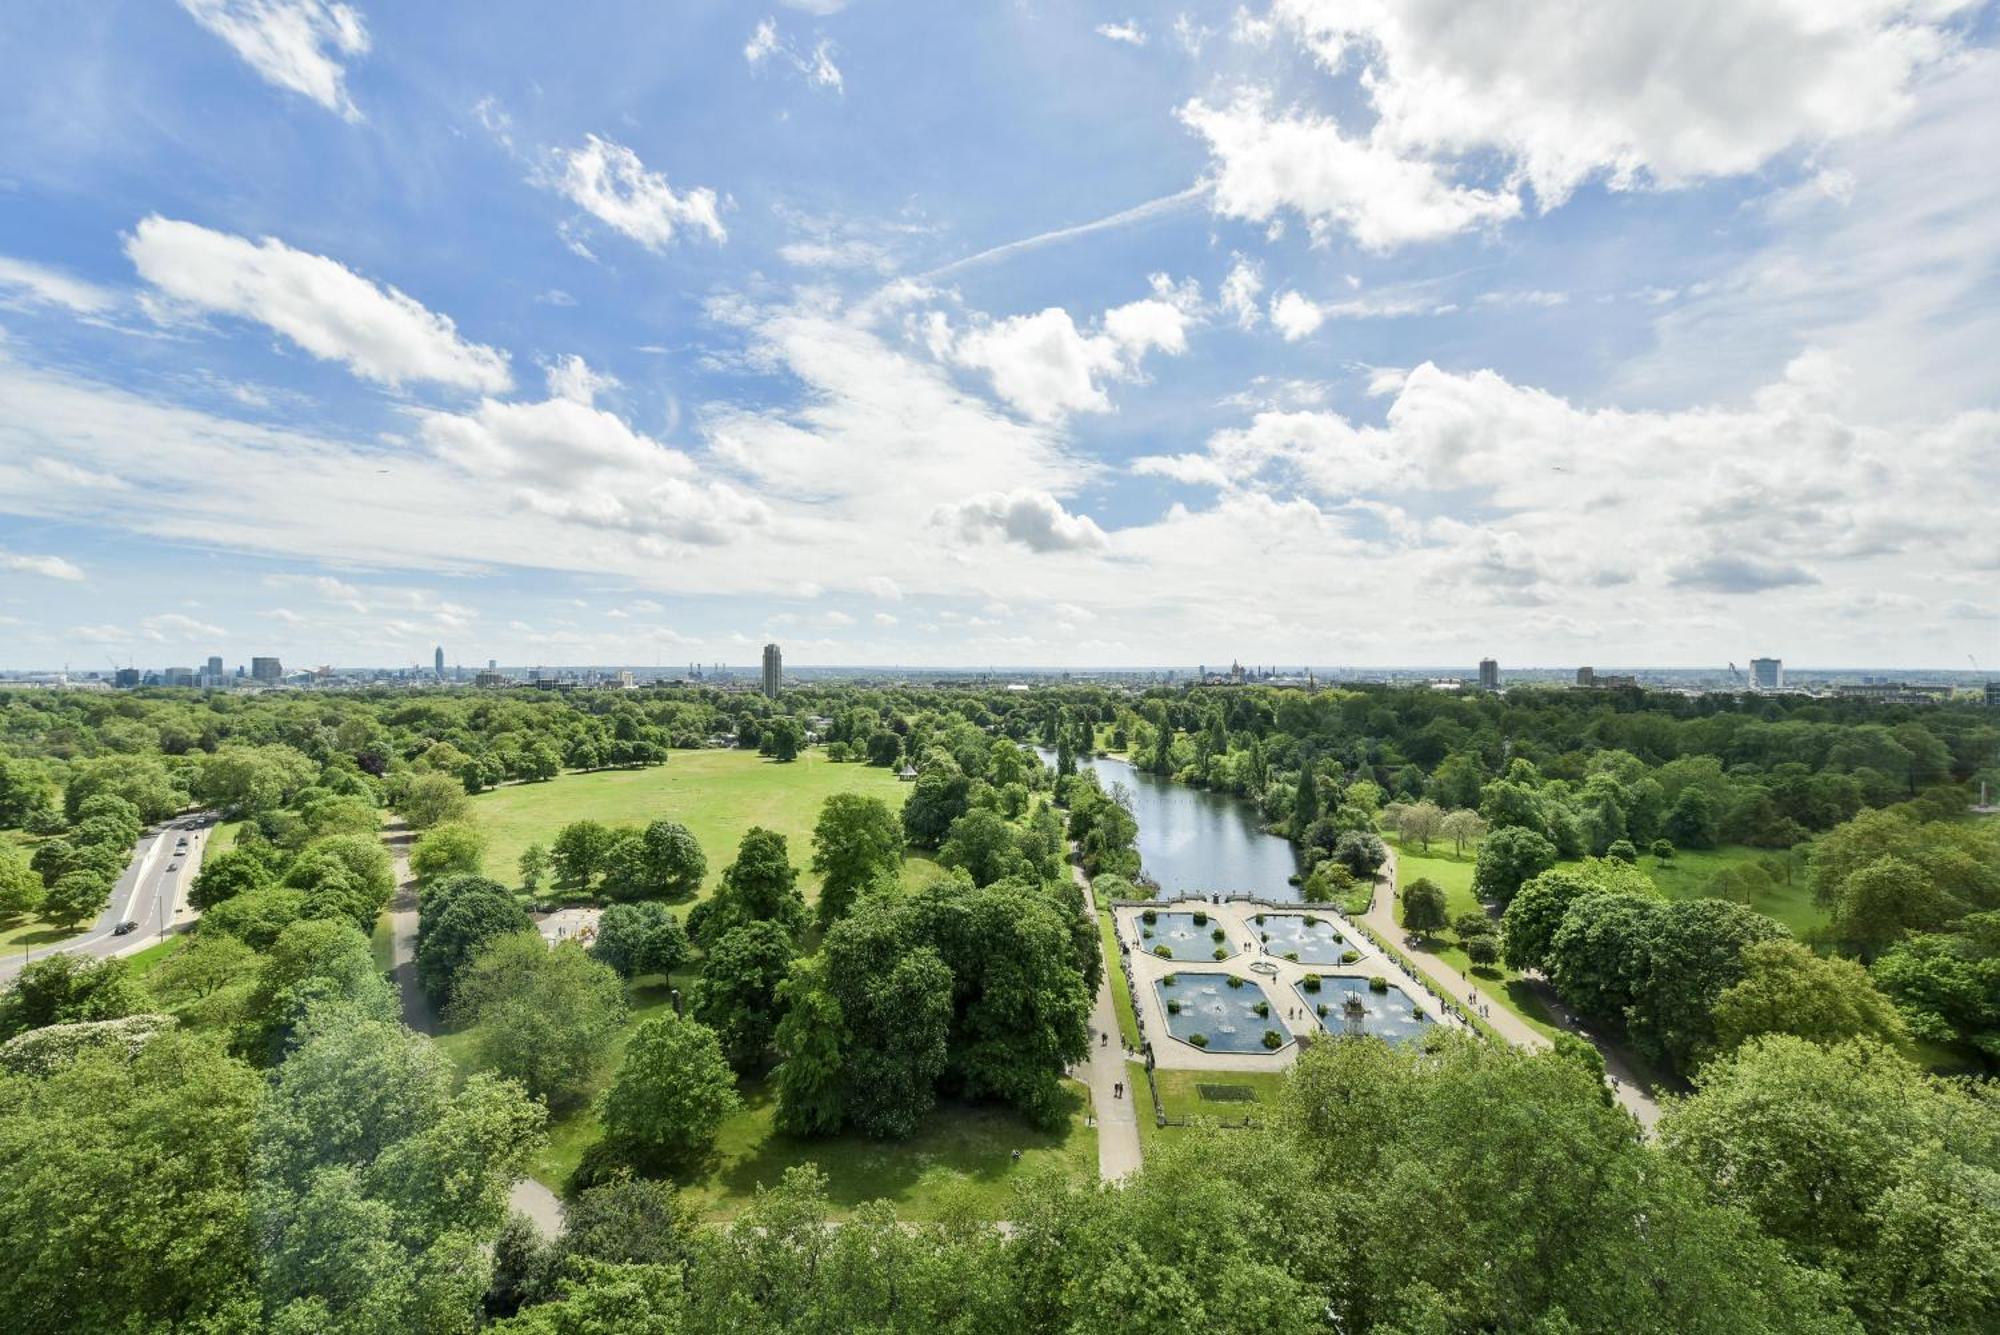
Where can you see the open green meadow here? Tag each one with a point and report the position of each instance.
(719, 795)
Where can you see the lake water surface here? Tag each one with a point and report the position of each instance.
(1194, 842)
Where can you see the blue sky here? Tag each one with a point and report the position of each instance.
(1349, 333)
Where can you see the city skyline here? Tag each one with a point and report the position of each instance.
(326, 333)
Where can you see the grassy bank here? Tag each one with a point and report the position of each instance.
(718, 795)
(1121, 991)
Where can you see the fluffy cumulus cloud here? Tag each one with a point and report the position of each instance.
(1267, 161)
(295, 44)
(1033, 519)
(319, 304)
(1775, 494)
(1546, 96)
(1128, 32)
(1645, 94)
(609, 182)
(1048, 368)
(815, 66)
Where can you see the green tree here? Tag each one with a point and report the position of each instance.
(737, 993)
(532, 866)
(640, 938)
(76, 898)
(579, 853)
(810, 1039)
(446, 850)
(673, 1092)
(432, 799)
(225, 875)
(1692, 821)
(344, 875)
(1860, 1165)
(761, 885)
(115, 1162)
(546, 1018)
(316, 962)
(21, 889)
(1878, 904)
(255, 918)
(69, 989)
(1947, 984)
(1509, 857)
(675, 864)
(983, 843)
(1786, 989)
(857, 841)
(462, 928)
(1424, 907)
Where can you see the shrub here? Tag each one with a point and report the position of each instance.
(1273, 1039)
(1234, 981)
(1221, 953)
(1199, 1040)
(1350, 956)
(1312, 920)
(1311, 982)
(1150, 915)
(1622, 850)
(1164, 952)
(1292, 955)
(1378, 985)
(1260, 920)
(1263, 1009)
(1320, 1010)
(1216, 936)
(1200, 918)
(1663, 849)
(1173, 1007)
(1145, 934)
(1171, 979)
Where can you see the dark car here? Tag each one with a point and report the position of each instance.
(124, 927)
(173, 866)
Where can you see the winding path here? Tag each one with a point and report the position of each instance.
(529, 1197)
(1632, 1093)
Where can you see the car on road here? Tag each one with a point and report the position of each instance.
(124, 928)
(173, 866)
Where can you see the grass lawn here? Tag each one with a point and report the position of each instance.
(1241, 1093)
(142, 962)
(1121, 991)
(382, 943)
(718, 795)
(32, 934)
(1688, 874)
(1497, 982)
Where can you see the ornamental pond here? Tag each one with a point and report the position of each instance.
(1184, 936)
(1304, 937)
(1389, 1015)
(1220, 1009)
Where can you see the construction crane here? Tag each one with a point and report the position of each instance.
(1735, 675)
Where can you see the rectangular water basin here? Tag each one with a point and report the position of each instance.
(1182, 937)
(1391, 1016)
(1317, 942)
(1225, 1016)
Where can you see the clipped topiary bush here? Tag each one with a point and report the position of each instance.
(1150, 915)
(1171, 979)
(1273, 1039)
(1310, 982)
(1312, 920)
(1292, 955)
(1350, 956)
(1221, 954)
(1199, 1040)
(1263, 1009)
(1200, 918)
(1234, 981)
(1164, 952)
(1320, 1010)
(1260, 920)
(1216, 936)
(1173, 1008)
(1378, 985)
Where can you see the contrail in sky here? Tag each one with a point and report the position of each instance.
(1152, 208)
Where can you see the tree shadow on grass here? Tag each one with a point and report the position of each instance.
(957, 1141)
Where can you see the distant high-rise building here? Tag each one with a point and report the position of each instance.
(437, 663)
(1992, 693)
(178, 676)
(269, 671)
(492, 665)
(1586, 676)
(1489, 675)
(1767, 674)
(126, 677)
(774, 670)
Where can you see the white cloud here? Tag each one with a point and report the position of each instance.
(1240, 289)
(42, 285)
(850, 253)
(1268, 161)
(1033, 519)
(325, 308)
(295, 44)
(1127, 32)
(73, 475)
(608, 181)
(571, 378)
(49, 567)
(1295, 317)
(815, 66)
(1046, 367)
(1658, 95)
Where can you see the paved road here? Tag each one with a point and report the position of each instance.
(151, 892)
(1631, 1092)
(528, 1196)
(1104, 1070)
